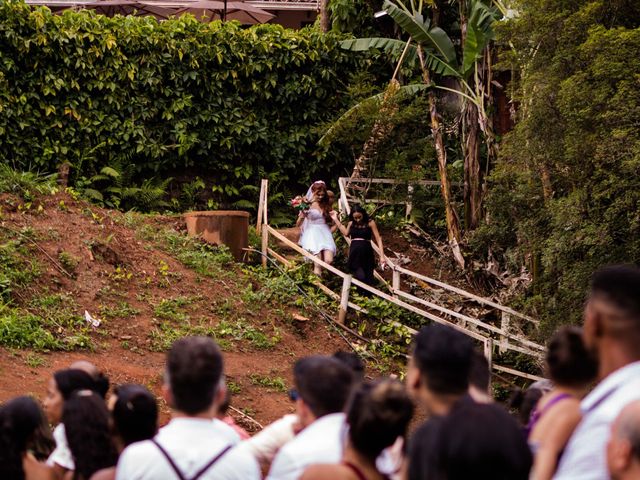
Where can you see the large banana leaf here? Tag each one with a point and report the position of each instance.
(390, 45)
(479, 34)
(432, 38)
(403, 92)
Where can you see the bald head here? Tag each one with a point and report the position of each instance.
(627, 427)
(101, 381)
(86, 367)
(623, 451)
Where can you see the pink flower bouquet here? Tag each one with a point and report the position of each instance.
(300, 203)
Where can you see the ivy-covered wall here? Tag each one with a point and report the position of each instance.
(218, 99)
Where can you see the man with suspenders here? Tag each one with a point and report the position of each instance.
(193, 445)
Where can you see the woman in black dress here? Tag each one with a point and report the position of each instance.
(361, 229)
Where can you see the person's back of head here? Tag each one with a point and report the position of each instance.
(569, 363)
(480, 378)
(135, 414)
(441, 361)
(194, 372)
(22, 428)
(353, 361)
(323, 383)
(101, 381)
(86, 420)
(613, 311)
(523, 402)
(71, 379)
(623, 450)
(474, 440)
(378, 413)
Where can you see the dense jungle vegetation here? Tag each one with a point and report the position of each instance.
(532, 104)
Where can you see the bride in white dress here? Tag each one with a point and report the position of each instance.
(315, 235)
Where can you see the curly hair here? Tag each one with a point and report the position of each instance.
(86, 420)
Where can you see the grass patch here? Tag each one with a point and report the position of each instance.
(241, 330)
(34, 360)
(233, 388)
(68, 262)
(17, 270)
(276, 384)
(163, 334)
(172, 309)
(122, 310)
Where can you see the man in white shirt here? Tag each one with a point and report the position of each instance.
(323, 385)
(194, 445)
(623, 450)
(612, 332)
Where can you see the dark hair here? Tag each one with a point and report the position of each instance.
(86, 423)
(353, 361)
(69, 380)
(443, 356)
(523, 402)
(324, 383)
(194, 368)
(619, 285)
(135, 414)
(377, 415)
(480, 375)
(568, 361)
(478, 438)
(22, 425)
(101, 384)
(359, 209)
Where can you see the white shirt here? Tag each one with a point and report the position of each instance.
(320, 442)
(191, 443)
(265, 444)
(585, 455)
(62, 454)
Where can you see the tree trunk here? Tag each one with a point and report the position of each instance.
(472, 168)
(453, 224)
(324, 16)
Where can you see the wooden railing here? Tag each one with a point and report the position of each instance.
(472, 327)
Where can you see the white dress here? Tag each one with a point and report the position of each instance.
(315, 233)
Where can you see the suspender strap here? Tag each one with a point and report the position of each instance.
(211, 463)
(169, 459)
(200, 472)
(357, 472)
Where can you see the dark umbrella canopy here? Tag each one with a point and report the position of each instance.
(128, 7)
(209, 10)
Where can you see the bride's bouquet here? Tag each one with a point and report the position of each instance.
(300, 203)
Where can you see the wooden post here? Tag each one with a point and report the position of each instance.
(488, 352)
(395, 281)
(260, 208)
(409, 201)
(265, 217)
(265, 246)
(344, 299)
(505, 323)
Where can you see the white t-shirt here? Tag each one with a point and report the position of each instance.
(61, 455)
(191, 443)
(265, 444)
(320, 442)
(585, 457)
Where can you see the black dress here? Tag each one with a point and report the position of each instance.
(361, 260)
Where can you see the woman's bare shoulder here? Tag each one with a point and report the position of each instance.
(104, 474)
(322, 472)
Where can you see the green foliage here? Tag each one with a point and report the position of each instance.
(25, 184)
(237, 103)
(51, 323)
(565, 196)
(121, 310)
(68, 261)
(277, 384)
(17, 267)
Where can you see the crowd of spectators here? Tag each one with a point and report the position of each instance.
(582, 423)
